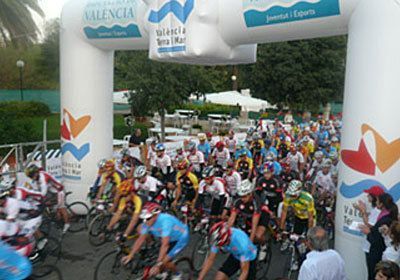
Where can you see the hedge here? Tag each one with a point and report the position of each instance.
(22, 109)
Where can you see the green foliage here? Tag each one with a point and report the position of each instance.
(120, 129)
(299, 74)
(21, 109)
(17, 26)
(14, 130)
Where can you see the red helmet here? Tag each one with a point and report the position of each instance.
(220, 144)
(149, 210)
(220, 234)
(268, 167)
(209, 134)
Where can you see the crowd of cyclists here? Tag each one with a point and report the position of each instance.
(273, 180)
(270, 180)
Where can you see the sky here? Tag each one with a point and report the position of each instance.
(51, 8)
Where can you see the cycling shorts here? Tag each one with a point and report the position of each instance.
(232, 265)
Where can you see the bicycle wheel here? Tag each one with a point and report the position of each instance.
(96, 227)
(51, 272)
(263, 266)
(200, 253)
(77, 213)
(110, 267)
(90, 216)
(185, 266)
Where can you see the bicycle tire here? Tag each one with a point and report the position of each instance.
(102, 271)
(264, 265)
(51, 273)
(77, 212)
(90, 216)
(198, 256)
(96, 227)
(185, 266)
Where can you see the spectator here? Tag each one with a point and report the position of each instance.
(389, 213)
(387, 270)
(136, 139)
(321, 263)
(392, 241)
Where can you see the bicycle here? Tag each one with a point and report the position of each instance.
(297, 250)
(44, 259)
(201, 248)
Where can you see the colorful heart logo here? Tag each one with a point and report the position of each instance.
(76, 126)
(359, 160)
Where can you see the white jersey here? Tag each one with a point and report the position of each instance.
(230, 144)
(10, 210)
(233, 182)
(295, 160)
(216, 189)
(151, 185)
(221, 157)
(196, 160)
(163, 163)
(151, 157)
(325, 181)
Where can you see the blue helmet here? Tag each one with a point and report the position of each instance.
(160, 147)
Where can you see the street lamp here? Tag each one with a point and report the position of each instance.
(234, 83)
(21, 65)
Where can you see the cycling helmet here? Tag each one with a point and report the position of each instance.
(160, 147)
(220, 234)
(149, 210)
(102, 163)
(333, 155)
(327, 163)
(242, 153)
(208, 172)
(335, 139)
(183, 164)
(270, 156)
(202, 136)
(294, 188)
(110, 165)
(126, 187)
(268, 167)
(191, 146)
(209, 135)
(220, 144)
(140, 172)
(245, 188)
(318, 155)
(153, 141)
(31, 170)
(230, 164)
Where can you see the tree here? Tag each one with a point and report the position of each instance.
(161, 86)
(17, 26)
(299, 74)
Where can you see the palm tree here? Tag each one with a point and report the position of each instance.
(17, 26)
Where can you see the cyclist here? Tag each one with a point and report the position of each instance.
(127, 200)
(316, 165)
(244, 165)
(128, 163)
(204, 146)
(13, 266)
(146, 185)
(180, 155)
(99, 179)
(334, 157)
(44, 183)
(323, 183)
(187, 185)
(303, 206)
(174, 238)
(196, 159)
(111, 180)
(210, 141)
(296, 160)
(232, 179)
(216, 188)
(164, 165)
(230, 142)
(220, 155)
(242, 253)
(151, 157)
(268, 188)
(270, 148)
(257, 149)
(241, 146)
(277, 166)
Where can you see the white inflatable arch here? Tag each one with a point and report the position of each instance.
(226, 32)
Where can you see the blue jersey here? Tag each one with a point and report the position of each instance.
(272, 150)
(277, 168)
(240, 247)
(167, 226)
(205, 149)
(238, 152)
(13, 266)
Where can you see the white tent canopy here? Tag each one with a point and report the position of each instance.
(244, 100)
(121, 97)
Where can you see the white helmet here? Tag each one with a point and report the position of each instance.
(245, 188)
(327, 163)
(318, 154)
(294, 188)
(140, 172)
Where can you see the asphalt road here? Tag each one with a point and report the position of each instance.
(79, 258)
